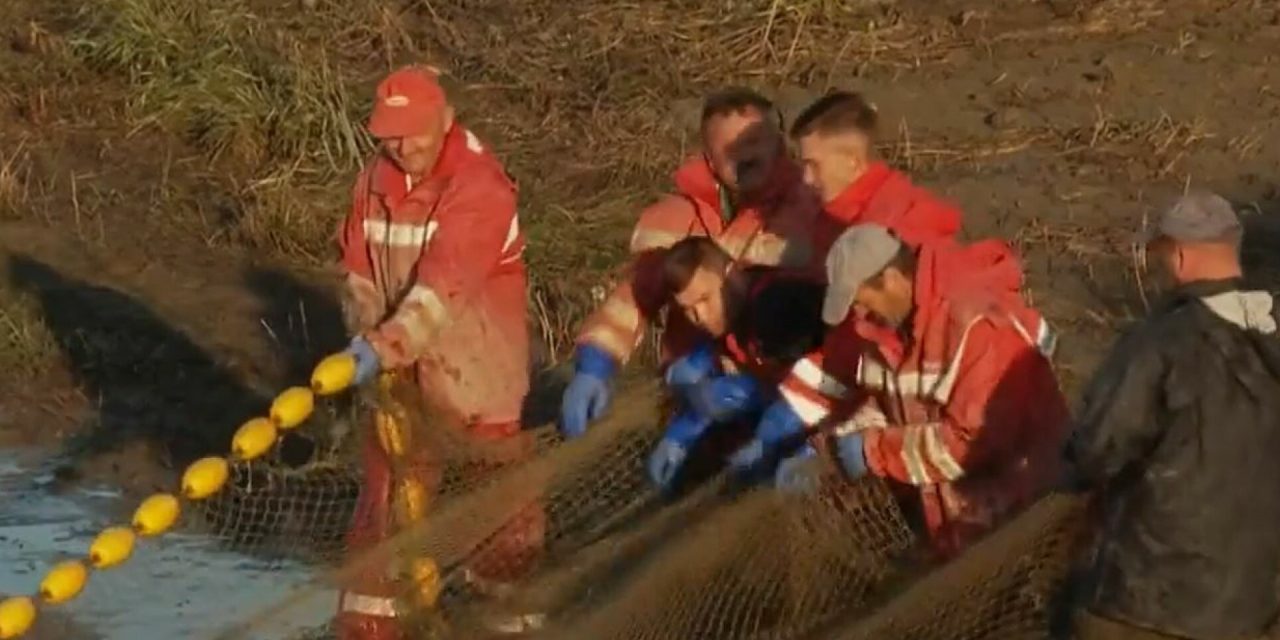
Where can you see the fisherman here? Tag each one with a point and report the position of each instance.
(1179, 432)
(743, 191)
(435, 292)
(935, 375)
(756, 322)
(836, 138)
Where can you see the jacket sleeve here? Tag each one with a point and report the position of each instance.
(822, 389)
(362, 303)
(618, 325)
(474, 225)
(981, 395)
(1118, 422)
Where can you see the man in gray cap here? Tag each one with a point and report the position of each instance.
(934, 375)
(1179, 433)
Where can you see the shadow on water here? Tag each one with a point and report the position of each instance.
(304, 320)
(149, 380)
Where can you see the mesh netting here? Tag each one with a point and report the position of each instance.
(1005, 586)
(619, 561)
(296, 501)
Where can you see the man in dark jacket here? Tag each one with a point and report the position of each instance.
(1180, 432)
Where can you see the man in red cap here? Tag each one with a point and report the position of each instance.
(435, 290)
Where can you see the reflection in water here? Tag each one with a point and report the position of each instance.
(175, 586)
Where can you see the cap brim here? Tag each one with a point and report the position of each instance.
(836, 304)
(392, 124)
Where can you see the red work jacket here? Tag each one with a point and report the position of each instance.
(965, 407)
(435, 278)
(888, 198)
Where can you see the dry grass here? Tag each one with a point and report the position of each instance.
(27, 348)
(581, 105)
(15, 179)
(213, 71)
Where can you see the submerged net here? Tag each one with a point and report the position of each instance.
(620, 561)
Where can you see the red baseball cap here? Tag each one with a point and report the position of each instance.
(404, 101)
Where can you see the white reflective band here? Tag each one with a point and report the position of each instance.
(867, 417)
(938, 453)
(399, 234)
(809, 411)
(368, 605)
(647, 239)
(817, 379)
(513, 232)
(942, 391)
(473, 143)
(911, 455)
(874, 375)
(1046, 339)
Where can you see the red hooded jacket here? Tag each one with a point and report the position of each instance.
(965, 407)
(888, 198)
(435, 278)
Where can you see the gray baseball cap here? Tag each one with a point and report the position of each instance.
(1196, 217)
(860, 253)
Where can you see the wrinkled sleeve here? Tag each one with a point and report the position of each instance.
(618, 325)
(1118, 422)
(979, 399)
(474, 224)
(362, 303)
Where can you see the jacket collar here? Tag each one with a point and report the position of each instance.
(857, 195)
(388, 180)
(1198, 289)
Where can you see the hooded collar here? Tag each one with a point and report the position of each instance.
(858, 194)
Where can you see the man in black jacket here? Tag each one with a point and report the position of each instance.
(1180, 432)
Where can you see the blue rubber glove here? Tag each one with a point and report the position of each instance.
(587, 396)
(720, 398)
(666, 459)
(691, 369)
(850, 453)
(367, 362)
(778, 424)
(799, 473)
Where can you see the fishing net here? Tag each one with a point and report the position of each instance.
(618, 560)
(1009, 585)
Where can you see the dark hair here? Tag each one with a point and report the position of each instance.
(836, 112)
(903, 262)
(737, 100)
(784, 321)
(685, 257)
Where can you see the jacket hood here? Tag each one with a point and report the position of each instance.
(951, 270)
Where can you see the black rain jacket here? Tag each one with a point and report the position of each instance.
(1180, 431)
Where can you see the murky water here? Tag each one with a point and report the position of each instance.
(175, 586)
